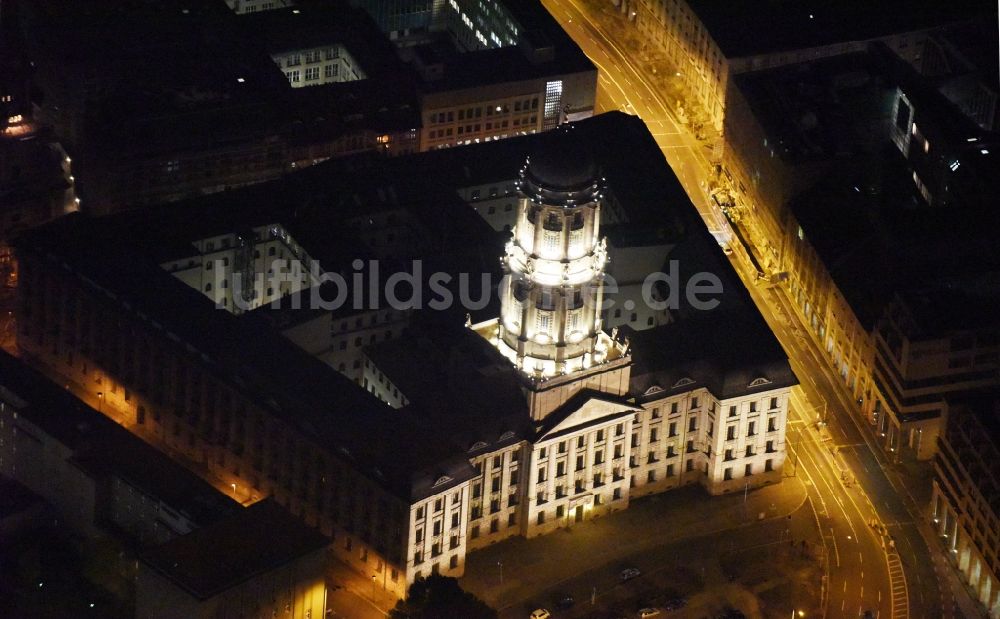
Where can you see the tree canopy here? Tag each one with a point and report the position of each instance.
(440, 597)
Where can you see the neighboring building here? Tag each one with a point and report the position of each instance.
(244, 7)
(260, 563)
(965, 507)
(933, 344)
(961, 60)
(859, 185)
(443, 439)
(200, 100)
(101, 479)
(710, 41)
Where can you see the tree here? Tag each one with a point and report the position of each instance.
(440, 597)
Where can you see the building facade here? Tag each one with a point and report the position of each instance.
(965, 508)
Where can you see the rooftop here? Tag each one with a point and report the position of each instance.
(91, 436)
(122, 255)
(737, 25)
(212, 559)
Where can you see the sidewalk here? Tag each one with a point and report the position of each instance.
(915, 479)
(532, 566)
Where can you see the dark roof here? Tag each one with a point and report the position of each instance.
(721, 353)
(210, 560)
(15, 498)
(458, 386)
(545, 50)
(561, 160)
(960, 303)
(751, 27)
(93, 438)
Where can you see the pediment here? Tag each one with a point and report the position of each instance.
(760, 381)
(589, 412)
(652, 390)
(477, 446)
(444, 479)
(506, 436)
(684, 382)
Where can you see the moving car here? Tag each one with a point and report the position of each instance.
(645, 613)
(540, 613)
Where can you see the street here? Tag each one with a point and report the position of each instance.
(857, 495)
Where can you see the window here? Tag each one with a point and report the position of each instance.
(748, 470)
(727, 474)
(600, 435)
(330, 70)
(579, 463)
(772, 424)
(541, 474)
(752, 428)
(729, 455)
(768, 465)
(540, 519)
(689, 465)
(312, 74)
(672, 431)
(650, 477)
(693, 424)
(753, 407)
(656, 413)
(749, 452)
(774, 403)
(673, 408)
(730, 433)
(670, 470)
(732, 411)
(653, 435)
(770, 447)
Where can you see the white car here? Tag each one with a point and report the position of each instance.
(540, 613)
(646, 613)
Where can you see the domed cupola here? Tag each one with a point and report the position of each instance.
(561, 170)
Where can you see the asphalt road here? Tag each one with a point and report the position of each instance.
(867, 571)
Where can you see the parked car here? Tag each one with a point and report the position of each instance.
(540, 613)
(629, 573)
(675, 603)
(564, 601)
(646, 613)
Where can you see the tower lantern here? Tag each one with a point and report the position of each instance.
(550, 310)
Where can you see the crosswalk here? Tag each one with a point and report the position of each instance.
(900, 599)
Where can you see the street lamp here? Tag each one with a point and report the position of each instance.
(100, 401)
